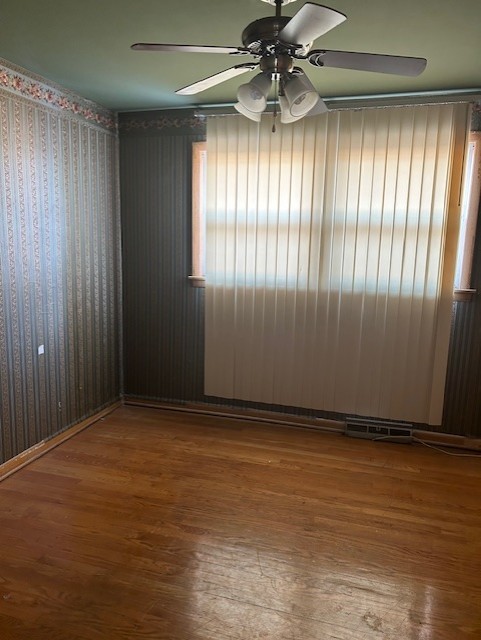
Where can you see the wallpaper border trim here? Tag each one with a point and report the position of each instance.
(175, 120)
(22, 83)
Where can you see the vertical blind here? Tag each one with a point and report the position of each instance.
(330, 259)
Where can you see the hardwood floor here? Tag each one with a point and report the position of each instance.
(163, 525)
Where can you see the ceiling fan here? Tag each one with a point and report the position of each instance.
(276, 42)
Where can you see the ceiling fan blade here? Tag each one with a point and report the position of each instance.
(217, 78)
(400, 65)
(310, 22)
(185, 48)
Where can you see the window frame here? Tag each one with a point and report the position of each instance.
(470, 200)
(199, 167)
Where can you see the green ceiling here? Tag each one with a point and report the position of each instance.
(84, 46)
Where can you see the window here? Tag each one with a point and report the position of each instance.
(331, 251)
(199, 165)
(469, 214)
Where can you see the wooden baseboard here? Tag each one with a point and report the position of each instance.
(31, 454)
(448, 440)
(335, 426)
(270, 417)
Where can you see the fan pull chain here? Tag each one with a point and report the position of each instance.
(276, 102)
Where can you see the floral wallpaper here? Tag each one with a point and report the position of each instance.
(59, 260)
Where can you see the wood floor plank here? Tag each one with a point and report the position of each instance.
(169, 526)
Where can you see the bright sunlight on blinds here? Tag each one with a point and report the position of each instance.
(329, 259)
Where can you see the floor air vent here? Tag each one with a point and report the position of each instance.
(378, 430)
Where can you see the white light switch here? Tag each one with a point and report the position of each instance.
(41, 350)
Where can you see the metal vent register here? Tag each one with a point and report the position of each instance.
(379, 430)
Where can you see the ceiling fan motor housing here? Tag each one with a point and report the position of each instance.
(261, 36)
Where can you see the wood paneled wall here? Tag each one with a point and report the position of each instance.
(164, 316)
(59, 260)
(163, 313)
(462, 408)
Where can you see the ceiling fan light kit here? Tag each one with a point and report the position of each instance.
(275, 43)
(253, 94)
(255, 116)
(286, 115)
(301, 94)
